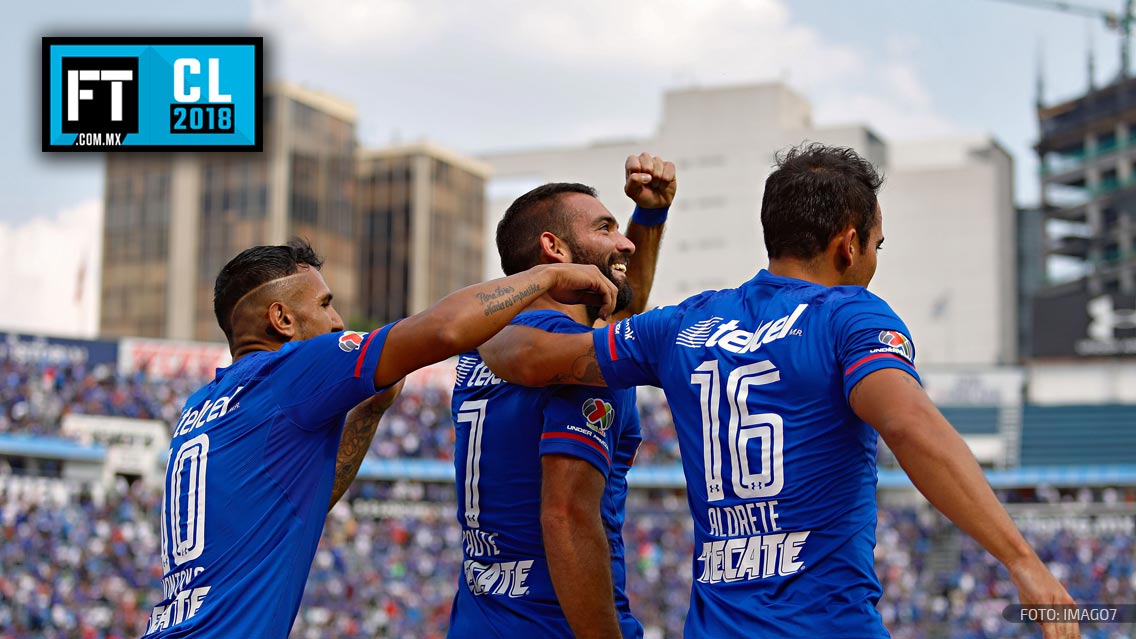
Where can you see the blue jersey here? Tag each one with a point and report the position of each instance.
(502, 431)
(780, 473)
(249, 479)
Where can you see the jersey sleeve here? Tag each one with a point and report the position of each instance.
(550, 321)
(580, 421)
(324, 377)
(629, 351)
(870, 337)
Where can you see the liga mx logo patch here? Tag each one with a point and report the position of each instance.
(152, 94)
(599, 414)
(898, 341)
(351, 341)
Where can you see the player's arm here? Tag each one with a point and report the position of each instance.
(358, 431)
(466, 318)
(532, 357)
(650, 183)
(941, 466)
(579, 558)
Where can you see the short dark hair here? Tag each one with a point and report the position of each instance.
(816, 192)
(539, 210)
(254, 267)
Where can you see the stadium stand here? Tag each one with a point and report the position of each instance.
(81, 558)
(1063, 435)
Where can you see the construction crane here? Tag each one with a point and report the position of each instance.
(1119, 22)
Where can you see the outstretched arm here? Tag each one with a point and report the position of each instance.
(358, 431)
(532, 357)
(465, 319)
(941, 466)
(579, 558)
(650, 183)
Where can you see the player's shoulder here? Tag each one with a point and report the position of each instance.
(845, 300)
(696, 305)
(201, 394)
(338, 344)
(551, 321)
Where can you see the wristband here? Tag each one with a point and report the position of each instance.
(649, 217)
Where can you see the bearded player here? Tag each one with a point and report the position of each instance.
(542, 472)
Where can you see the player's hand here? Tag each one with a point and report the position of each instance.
(1038, 587)
(580, 284)
(651, 182)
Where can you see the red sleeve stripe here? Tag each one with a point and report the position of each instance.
(872, 357)
(363, 353)
(579, 438)
(611, 342)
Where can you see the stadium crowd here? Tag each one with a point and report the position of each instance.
(35, 397)
(83, 561)
(79, 562)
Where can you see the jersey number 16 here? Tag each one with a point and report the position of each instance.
(764, 431)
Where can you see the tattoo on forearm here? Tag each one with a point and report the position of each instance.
(497, 293)
(585, 370)
(358, 430)
(492, 307)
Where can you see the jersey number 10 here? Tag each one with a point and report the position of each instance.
(184, 503)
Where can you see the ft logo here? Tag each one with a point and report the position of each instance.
(102, 98)
(152, 94)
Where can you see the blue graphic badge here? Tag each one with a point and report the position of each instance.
(153, 94)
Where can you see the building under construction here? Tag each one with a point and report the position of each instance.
(1087, 153)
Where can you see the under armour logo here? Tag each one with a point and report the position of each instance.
(1105, 319)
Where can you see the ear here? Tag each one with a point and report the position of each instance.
(847, 248)
(553, 249)
(281, 321)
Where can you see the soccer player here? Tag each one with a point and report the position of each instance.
(776, 387)
(253, 456)
(551, 464)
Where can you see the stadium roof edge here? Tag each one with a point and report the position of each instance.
(49, 448)
(671, 476)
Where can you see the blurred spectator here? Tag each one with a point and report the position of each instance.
(83, 562)
(35, 397)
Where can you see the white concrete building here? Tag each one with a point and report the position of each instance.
(948, 265)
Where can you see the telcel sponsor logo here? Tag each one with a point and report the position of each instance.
(730, 338)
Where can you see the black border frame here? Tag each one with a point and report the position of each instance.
(45, 94)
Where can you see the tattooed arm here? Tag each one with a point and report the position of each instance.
(358, 431)
(531, 357)
(463, 320)
(941, 466)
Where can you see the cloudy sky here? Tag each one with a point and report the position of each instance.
(501, 74)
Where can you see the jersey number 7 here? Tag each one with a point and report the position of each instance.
(473, 413)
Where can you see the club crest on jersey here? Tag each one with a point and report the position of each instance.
(599, 414)
(899, 342)
(351, 341)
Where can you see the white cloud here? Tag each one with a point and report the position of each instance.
(501, 74)
(41, 286)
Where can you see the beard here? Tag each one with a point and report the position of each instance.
(624, 295)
